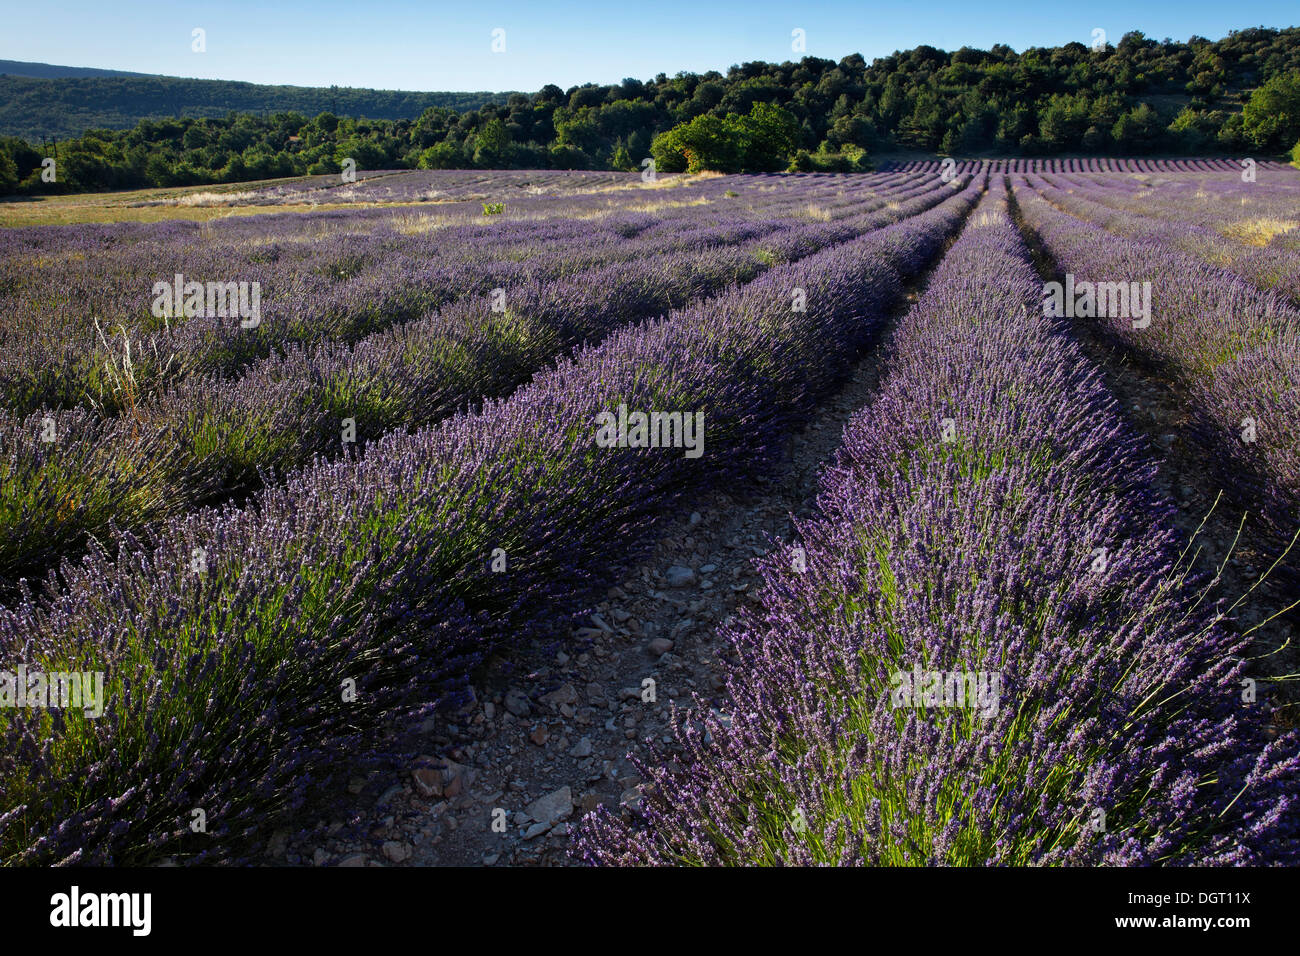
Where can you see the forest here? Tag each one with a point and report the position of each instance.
(1138, 97)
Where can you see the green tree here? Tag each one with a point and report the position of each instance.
(444, 155)
(706, 142)
(492, 146)
(622, 159)
(767, 137)
(1138, 130)
(1271, 118)
(8, 172)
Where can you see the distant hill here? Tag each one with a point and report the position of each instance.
(38, 100)
(46, 71)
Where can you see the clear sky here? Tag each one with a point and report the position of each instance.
(432, 45)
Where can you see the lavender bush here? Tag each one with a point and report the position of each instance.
(228, 633)
(1119, 735)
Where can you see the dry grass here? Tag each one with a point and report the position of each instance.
(212, 198)
(1261, 231)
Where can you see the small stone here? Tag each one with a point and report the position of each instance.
(397, 852)
(695, 518)
(708, 569)
(582, 748)
(553, 807)
(489, 710)
(356, 785)
(660, 645)
(536, 830)
(679, 577)
(428, 781)
(620, 615)
(319, 857)
(517, 703)
(356, 859)
(564, 694)
(539, 735)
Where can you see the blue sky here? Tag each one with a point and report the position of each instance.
(410, 45)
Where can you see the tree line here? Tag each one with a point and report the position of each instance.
(1141, 96)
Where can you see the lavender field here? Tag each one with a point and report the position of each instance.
(942, 515)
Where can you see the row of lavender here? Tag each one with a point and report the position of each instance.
(1223, 201)
(440, 185)
(983, 649)
(1271, 265)
(97, 316)
(1235, 347)
(1103, 164)
(364, 590)
(72, 473)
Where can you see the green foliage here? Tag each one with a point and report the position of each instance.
(706, 142)
(1271, 118)
(1138, 131)
(444, 155)
(492, 145)
(623, 159)
(759, 141)
(493, 208)
(1139, 97)
(767, 135)
(8, 172)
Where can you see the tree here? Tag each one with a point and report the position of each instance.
(706, 142)
(444, 155)
(767, 137)
(1138, 130)
(1271, 118)
(1062, 125)
(8, 172)
(622, 159)
(761, 140)
(492, 145)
